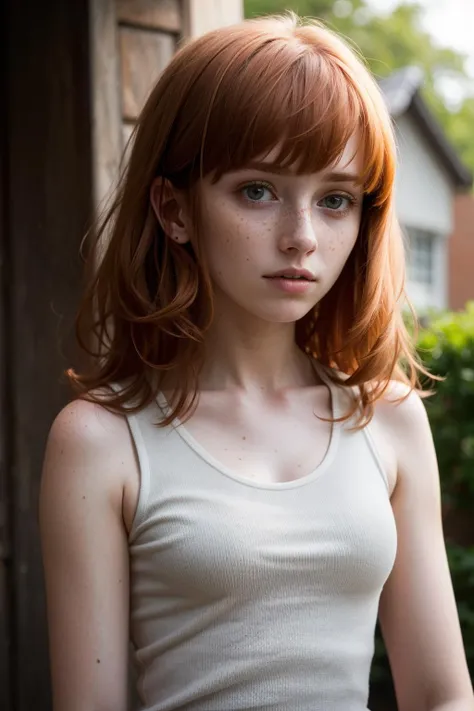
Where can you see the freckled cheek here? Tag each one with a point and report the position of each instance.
(237, 238)
(340, 239)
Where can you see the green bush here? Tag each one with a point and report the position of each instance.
(446, 347)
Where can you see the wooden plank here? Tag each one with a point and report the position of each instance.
(127, 129)
(49, 179)
(144, 55)
(200, 16)
(153, 14)
(6, 700)
(105, 97)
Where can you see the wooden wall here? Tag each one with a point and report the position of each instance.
(132, 42)
(76, 74)
(148, 34)
(46, 193)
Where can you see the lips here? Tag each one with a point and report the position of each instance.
(292, 274)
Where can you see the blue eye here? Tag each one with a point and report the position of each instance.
(336, 202)
(257, 192)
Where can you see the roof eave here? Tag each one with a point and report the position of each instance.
(460, 174)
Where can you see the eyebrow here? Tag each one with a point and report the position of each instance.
(333, 177)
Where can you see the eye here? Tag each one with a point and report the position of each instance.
(337, 202)
(257, 192)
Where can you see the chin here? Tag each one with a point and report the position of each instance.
(289, 313)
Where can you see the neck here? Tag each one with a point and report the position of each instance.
(242, 354)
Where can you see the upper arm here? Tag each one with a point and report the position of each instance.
(85, 559)
(418, 613)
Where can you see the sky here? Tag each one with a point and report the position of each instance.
(450, 22)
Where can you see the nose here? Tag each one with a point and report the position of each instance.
(298, 232)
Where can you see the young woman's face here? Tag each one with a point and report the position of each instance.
(261, 228)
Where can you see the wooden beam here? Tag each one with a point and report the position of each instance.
(162, 15)
(200, 16)
(49, 207)
(6, 598)
(105, 96)
(144, 55)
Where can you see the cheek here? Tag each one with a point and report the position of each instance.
(341, 238)
(231, 236)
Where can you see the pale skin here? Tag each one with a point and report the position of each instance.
(260, 393)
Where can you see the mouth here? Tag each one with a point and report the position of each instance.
(292, 275)
(291, 283)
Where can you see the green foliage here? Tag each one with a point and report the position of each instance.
(461, 563)
(390, 42)
(446, 347)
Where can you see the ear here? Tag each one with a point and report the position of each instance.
(169, 207)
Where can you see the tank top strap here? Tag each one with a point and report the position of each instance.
(349, 393)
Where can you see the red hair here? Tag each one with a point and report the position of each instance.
(226, 98)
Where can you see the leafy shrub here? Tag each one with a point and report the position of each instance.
(446, 347)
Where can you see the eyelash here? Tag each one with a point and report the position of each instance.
(262, 184)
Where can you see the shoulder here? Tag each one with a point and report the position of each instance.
(87, 447)
(402, 424)
(402, 413)
(86, 427)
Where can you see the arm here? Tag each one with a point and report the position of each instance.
(85, 558)
(418, 614)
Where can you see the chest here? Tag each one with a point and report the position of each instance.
(217, 537)
(277, 441)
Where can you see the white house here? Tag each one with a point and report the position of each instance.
(429, 175)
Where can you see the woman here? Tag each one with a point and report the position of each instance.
(229, 486)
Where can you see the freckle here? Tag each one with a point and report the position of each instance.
(240, 459)
(83, 497)
(248, 259)
(244, 437)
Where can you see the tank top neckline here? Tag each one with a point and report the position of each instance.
(314, 474)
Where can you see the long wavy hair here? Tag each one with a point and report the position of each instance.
(226, 98)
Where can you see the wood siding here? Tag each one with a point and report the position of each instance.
(77, 74)
(46, 185)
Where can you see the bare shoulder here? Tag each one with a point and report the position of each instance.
(402, 429)
(403, 413)
(90, 447)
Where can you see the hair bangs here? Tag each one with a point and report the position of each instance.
(292, 100)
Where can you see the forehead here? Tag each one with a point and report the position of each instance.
(352, 156)
(350, 160)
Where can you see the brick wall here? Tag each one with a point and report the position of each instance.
(461, 253)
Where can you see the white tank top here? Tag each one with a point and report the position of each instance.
(249, 596)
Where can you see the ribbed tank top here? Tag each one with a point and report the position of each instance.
(248, 595)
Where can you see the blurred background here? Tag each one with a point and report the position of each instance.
(75, 76)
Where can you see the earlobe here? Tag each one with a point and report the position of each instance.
(168, 210)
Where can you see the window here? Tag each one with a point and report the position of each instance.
(421, 246)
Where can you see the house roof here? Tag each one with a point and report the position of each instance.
(402, 94)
